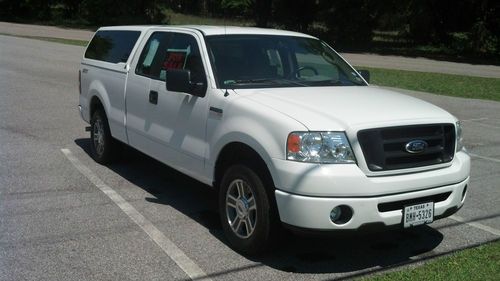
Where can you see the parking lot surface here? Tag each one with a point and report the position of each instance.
(65, 217)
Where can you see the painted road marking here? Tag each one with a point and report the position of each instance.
(176, 254)
(487, 126)
(475, 119)
(476, 122)
(476, 225)
(485, 158)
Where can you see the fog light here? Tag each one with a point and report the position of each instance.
(335, 214)
(341, 214)
(464, 193)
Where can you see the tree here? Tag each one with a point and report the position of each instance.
(71, 8)
(350, 23)
(295, 14)
(485, 30)
(115, 12)
(259, 9)
(25, 10)
(241, 7)
(262, 12)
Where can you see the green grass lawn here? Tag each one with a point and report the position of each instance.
(51, 39)
(480, 263)
(437, 83)
(457, 49)
(61, 40)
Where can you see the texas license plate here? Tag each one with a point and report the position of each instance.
(418, 214)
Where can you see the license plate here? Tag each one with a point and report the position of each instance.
(418, 214)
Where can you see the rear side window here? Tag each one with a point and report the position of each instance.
(112, 46)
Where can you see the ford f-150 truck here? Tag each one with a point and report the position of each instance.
(285, 130)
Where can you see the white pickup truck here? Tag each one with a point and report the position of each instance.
(284, 129)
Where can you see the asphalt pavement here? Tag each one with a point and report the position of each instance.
(57, 222)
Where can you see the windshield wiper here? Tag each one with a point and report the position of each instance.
(337, 83)
(262, 81)
(295, 82)
(248, 81)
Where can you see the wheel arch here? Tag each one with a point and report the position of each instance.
(98, 98)
(95, 103)
(237, 152)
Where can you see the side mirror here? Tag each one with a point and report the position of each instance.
(365, 74)
(179, 80)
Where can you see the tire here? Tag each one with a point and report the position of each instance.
(247, 216)
(103, 146)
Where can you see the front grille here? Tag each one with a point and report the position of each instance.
(385, 148)
(399, 205)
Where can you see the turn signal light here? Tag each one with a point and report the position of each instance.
(293, 143)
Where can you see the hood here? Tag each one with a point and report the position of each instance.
(344, 108)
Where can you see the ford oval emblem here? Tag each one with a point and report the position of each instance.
(416, 146)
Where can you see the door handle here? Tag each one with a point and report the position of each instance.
(153, 97)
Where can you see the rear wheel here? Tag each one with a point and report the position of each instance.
(245, 211)
(102, 145)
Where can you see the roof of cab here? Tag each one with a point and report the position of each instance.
(209, 30)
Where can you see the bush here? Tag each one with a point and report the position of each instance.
(117, 12)
(92, 12)
(295, 14)
(350, 22)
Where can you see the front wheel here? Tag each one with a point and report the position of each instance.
(245, 210)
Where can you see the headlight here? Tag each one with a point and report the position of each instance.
(459, 139)
(319, 147)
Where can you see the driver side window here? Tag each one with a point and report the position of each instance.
(168, 50)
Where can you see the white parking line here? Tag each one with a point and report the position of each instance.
(476, 225)
(485, 158)
(487, 126)
(476, 122)
(475, 119)
(176, 254)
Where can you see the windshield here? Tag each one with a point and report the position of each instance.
(264, 61)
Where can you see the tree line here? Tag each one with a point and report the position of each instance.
(473, 25)
(82, 12)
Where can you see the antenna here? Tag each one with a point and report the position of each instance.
(226, 93)
(225, 25)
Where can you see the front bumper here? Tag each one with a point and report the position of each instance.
(80, 110)
(314, 212)
(84, 114)
(307, 193)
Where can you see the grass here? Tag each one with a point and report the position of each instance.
(51, 39)
(437, 83)
(458, 48)
(480, 263)
(60, 40)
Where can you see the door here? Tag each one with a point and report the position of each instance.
(169, 126)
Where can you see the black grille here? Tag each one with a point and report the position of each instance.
(398, 205)
(385, 148)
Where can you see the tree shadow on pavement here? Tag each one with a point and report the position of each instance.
(326, 253)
